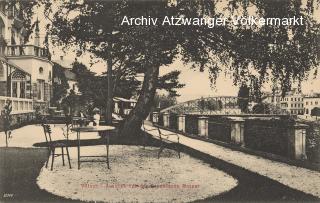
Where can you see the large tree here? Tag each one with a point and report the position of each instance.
(243, 98)
(259, 53)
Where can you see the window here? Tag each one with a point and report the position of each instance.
(13, 37)
(49, 76)
(22, 89)
(307, 103)
(1, 70)
(310, 103)
(316, 103)
(291, 99)
(40, 70)
(307, 111)
(40, 90)
(14, 89)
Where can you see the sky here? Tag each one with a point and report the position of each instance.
(197, 84)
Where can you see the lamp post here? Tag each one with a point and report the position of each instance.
(109, 109)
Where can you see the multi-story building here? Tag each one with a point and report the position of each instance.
(311, 102)
(25, 68)
(292, 102)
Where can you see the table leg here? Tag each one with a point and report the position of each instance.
(78, 138)
(107, 137)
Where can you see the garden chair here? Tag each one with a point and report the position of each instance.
(53, 145)
(165, 142)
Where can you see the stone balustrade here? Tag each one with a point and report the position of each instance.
(296, 133)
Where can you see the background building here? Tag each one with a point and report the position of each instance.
(311, 102)
(292, 102)
(25, 67)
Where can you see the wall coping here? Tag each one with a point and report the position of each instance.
(300, 126)
(236, 119)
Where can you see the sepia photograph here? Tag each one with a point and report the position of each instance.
(158, 101)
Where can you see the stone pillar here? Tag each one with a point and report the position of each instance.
(237, 130)
(203, 126)
(182, 123)
(166, 120)
(297, 141)
(155, 117)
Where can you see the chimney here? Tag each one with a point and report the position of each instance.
(61, 58)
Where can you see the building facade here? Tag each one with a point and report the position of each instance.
(311, 102)
(25, 67)
(292, 102)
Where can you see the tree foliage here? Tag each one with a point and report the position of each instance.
(315, 111)
(60, 84)
(252, 54)
(243, 98)
(164, 101)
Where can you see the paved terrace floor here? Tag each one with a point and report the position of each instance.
(298, 178)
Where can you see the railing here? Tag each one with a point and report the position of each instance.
(27, 50)
(19, 105)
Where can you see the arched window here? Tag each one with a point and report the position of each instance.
(40, 70)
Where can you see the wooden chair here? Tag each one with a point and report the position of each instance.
(53, 145)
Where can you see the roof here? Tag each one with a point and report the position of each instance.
(69, 75)
(64, 63)
(12, 64)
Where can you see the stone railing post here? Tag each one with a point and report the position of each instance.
(182, 123)
(155, 117)
(297, 141)
(237, 130)
(166, 120)
(203, 126)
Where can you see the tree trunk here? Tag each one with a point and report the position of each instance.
(133, 123)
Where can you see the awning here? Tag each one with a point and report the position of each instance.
(4, 60)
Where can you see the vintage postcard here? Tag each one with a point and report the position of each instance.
(159, 101)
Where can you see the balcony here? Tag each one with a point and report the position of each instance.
(19, 105)
(27, 50)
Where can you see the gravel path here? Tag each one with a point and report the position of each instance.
(136, 175)
(302, 179)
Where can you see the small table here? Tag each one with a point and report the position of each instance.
(104, 129)
(75, 120)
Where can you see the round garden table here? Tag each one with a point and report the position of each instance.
(102, 130)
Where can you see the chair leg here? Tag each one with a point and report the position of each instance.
(49, 152)
(62, 156)
(68, 157)
(178, 150)
(160, 150)
(52, 158)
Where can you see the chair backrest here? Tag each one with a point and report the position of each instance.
(47, 133)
